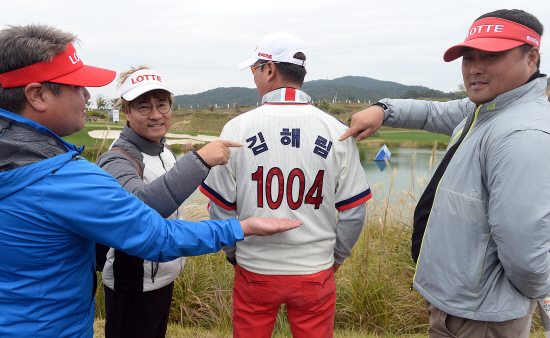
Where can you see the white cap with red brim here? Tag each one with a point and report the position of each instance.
(141, 82)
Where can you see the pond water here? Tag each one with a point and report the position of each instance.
(401, 158)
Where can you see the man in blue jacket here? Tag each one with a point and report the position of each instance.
(54, 205)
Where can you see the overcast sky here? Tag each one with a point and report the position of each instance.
(197, 45)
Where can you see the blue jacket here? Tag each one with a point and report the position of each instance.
(54, 205)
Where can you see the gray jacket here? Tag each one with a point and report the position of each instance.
(486, 247)
(165, 186)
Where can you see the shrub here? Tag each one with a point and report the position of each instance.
(323, 105)
(337, 111)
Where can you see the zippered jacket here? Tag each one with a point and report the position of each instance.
(165, 185)
(485, 250)
(54, 206)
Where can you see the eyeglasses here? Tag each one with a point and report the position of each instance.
(146, 108)
(253, 69)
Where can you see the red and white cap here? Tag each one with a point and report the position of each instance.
(140, 82)
(494, 35)
(65, 68)
(280, 47)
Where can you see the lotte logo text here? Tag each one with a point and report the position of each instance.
(146, 78)
(486, 29)
(76, 58)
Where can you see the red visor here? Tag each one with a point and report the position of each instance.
(494, 35)
(65, 67)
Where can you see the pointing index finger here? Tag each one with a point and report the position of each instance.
(231, 144)
(350, 132)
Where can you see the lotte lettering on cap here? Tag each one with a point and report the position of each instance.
(65, 68)
(494, 35)
(140, 82)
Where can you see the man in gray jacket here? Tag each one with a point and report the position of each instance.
(138, 292)
(482, 227)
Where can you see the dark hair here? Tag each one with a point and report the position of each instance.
(22, 46)
(291, 72)
(521, 17)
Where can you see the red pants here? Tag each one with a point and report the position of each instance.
(310, 302)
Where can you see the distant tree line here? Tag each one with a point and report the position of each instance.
(431, 93)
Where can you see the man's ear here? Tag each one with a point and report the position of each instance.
(34, 93)
(127, 113)
(271, 71)
(533, 57)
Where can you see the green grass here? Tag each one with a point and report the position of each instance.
(204, 122)
(414, 136)
(194, 133)
(178, 331)
(82, 138)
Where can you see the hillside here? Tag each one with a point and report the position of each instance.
(358, 87)
(220, 96)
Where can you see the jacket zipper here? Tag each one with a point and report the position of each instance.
(154, 271)
(94, 276)
(75, 157)
(467, 132)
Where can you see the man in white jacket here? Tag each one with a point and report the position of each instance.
(291, 164)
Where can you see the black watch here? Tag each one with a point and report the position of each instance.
(381, 105)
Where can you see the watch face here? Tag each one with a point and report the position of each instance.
(381, 105)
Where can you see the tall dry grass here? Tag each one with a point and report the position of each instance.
(373, 285)
(374, 295)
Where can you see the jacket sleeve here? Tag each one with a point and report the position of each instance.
(348, 229)
(167, 192)
(518, 181)
(352, 193)
(221, 188)
(432, 116)
(217, 212)
(97, 208)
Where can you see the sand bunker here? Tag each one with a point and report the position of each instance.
(171, 137)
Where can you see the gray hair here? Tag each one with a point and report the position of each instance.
(22, 46)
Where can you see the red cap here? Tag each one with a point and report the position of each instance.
(494, 35)
(65, 67)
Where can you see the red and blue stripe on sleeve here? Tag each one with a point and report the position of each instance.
(354, 201)
(216, 198)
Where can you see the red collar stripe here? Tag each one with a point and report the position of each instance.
(290, 94)
(61, 64)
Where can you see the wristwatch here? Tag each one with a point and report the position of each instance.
(381, 105)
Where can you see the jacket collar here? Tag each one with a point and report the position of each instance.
(146, 146)
(529, 91)
(286, 95)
